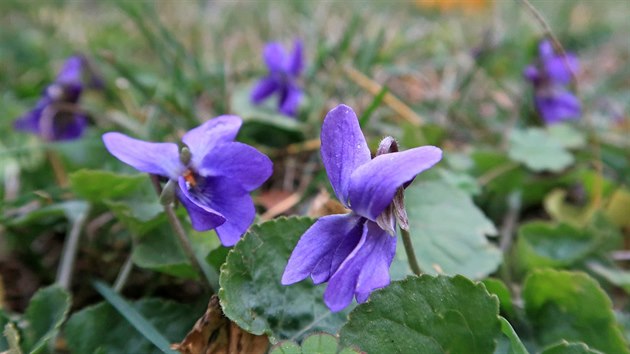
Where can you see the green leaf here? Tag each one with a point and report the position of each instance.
(542, 244)
(426, 315)
(96, 185)
(618, 277)
(538, 150)
(45, 314)
(317, 343)
(139, 322)
(252, 296)
(70, 210)
(515, 344)
(571, 306)
(160, 250)
(566, 135)
(498, 288)
(448, 233)
(101, 328)
(286, 347)
(570, 348)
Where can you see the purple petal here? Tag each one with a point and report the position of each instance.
(545, 49)
(264, 88)
(365, 269)
(224, 197)
(239, 162)
(343, 148)
(71, 72)
(202, 139)
(202, 217)
(329, 264)
(275, 57)
(558, 106)
(532, 74)
(374, 184)
(68, 126)
(375, 271)
(290, 100)
(29, 122)
(296, 63)
(559, 69)
(156, 158)
(318, 242)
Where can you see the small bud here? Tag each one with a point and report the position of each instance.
(387, 146)
(167, 196)
(185, 156)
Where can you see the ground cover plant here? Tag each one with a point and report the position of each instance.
(314, 177)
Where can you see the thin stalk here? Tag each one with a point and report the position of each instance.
(60, 172)
(204, 272)
(69, 253)
(411, 255)
(122, 277)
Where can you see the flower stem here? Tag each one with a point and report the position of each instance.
(204, 272)
(411, 255)
(187, 247)
(69, 253)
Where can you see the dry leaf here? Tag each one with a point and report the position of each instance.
(324, 205)
(214, 333)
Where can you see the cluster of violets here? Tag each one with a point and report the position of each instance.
(212, 175)
(551, 76)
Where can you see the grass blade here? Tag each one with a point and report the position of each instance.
(134, 317)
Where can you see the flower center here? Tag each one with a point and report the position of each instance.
(189, 176)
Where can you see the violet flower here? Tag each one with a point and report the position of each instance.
(214, 174)
(284, 71)
(353, 252)
(56, 115)
(550, 77)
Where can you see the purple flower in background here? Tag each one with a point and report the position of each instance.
(56, 115)
(353, 252)
(550, 77)
(214, 174)
(284, 71)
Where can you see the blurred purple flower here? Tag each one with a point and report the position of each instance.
(284, 71)
(56, 115)
(214, 174)
(353, 252)
(550, 77)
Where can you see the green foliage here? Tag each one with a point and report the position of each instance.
(95, 185)
(570, 348)
(252, 296)
(100, 328)
(426, 314)
(458, 246)
(515, 346)
(571, 306)
(498, 288)
(43, 317)
(542, 244)
(318, 343)
(538, 150)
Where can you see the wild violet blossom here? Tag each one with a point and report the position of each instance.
(550, 77)
(56, 115)
(353, 252)
(214, 174)
(284, 71)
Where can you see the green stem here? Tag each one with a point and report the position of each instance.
(187, 246)
(204, 272)
(411, 255)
